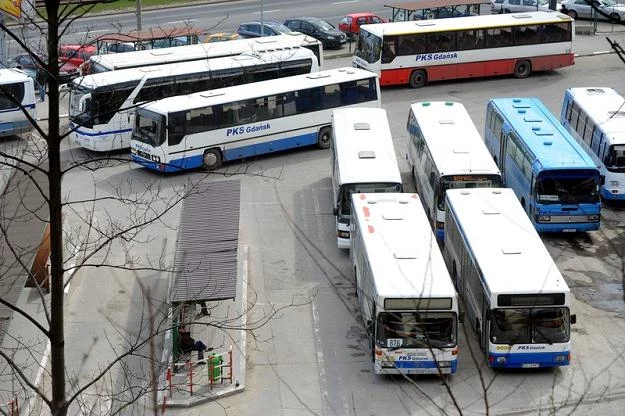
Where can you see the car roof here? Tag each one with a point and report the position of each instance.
(308, 19)
(361, 14)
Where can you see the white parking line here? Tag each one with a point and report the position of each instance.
(268, 11)
(182, 21)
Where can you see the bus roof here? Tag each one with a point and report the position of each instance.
(115, 61)
(542, 133)
(257, 89)
(606, 108)
(8, 75)
(504, 243)
(364, 151)
(135, 74)
(453, 140)
(467, 22)
(403, 251)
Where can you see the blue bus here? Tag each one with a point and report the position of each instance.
(555, 180)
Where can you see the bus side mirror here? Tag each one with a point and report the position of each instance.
(335, 211)
(369, 326)
(602, 179)
(573, 319)
(461, 317)
(84, 103)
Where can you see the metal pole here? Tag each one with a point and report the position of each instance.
(138, 15)
(3, 44)
(262, 21)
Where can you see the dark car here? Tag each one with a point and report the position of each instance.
(323, 31)
(252, 29)
(441, 13)
(67, 71)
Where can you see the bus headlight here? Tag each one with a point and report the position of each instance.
(501, 360)
(133, 151)
(614, 184)
(561, 358)
(593, 218)
(544, 218)
(342, 234)
(444, 364)
(156, 159)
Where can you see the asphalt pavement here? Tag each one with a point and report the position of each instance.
(584, 46)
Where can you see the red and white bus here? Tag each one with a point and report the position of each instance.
(419, 52)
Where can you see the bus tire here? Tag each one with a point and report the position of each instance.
(212, 159)
(615, 18)
(324, 138)
(572, 14)
(418, 79)
(522, 69)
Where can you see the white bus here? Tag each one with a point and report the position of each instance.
(596, 118)
(17, 98)
(102, 106)
(415, 53)
(515, 298)
(363, 160)
(407, 299)
(202, 51)
(208, 128)
(446, 151)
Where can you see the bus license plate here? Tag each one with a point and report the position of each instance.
(531, 365)
(569, 230)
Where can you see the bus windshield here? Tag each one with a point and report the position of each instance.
(356, 188)
(416, 330)
(466, 181)
(529, 326)
(149, 128)
(368, 47)
(615, 160)
(567, 188)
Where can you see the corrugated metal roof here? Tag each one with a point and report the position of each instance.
(205, 264)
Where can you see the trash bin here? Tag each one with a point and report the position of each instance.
(215, 362)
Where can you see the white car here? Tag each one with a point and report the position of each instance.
(610, 9)
(517, 6)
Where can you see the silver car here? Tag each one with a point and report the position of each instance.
(607, 9)
(517, 6)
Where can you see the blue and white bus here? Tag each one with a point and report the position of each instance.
(596, 118)
(446, 151)
(553, 177)
(102, 106)
(205, 129)
(16, 89)
(407, 299)
(515, 298)
(363, 160)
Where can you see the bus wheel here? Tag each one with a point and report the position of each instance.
(572, 14)
(324, 138)
(522, 69)
(615, 18)
(417, 79)
(212, 159)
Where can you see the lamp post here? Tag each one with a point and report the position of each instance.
(262, 21)
(138, 15)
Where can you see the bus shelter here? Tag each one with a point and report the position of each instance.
(147, 39)
(432, 9)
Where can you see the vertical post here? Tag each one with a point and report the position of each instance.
(262, 20)
(138, 15)
(190, 377)
(3, 44)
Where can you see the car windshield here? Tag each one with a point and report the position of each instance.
(530, 326)
(369, 47)
(572, 187)
(323, 25)
(279, 28)
(608, 3)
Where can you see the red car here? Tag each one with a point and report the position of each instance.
(350, 24)
(75, 55)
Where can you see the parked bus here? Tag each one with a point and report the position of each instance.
(208, 128)
(202, 51)
(596, 118)
(406, 296)
(17, 98)
(416, 53)
(363, 160)
(553, 177)
(102, 106)
(446, 151)
(516, 300)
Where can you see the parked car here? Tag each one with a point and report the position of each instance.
(221, 37)
(252, 29)
(76, 55)
(67, 71)
(323, 31)
(350, 24)
(440, 13)
(580, 9)
(517, 6)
